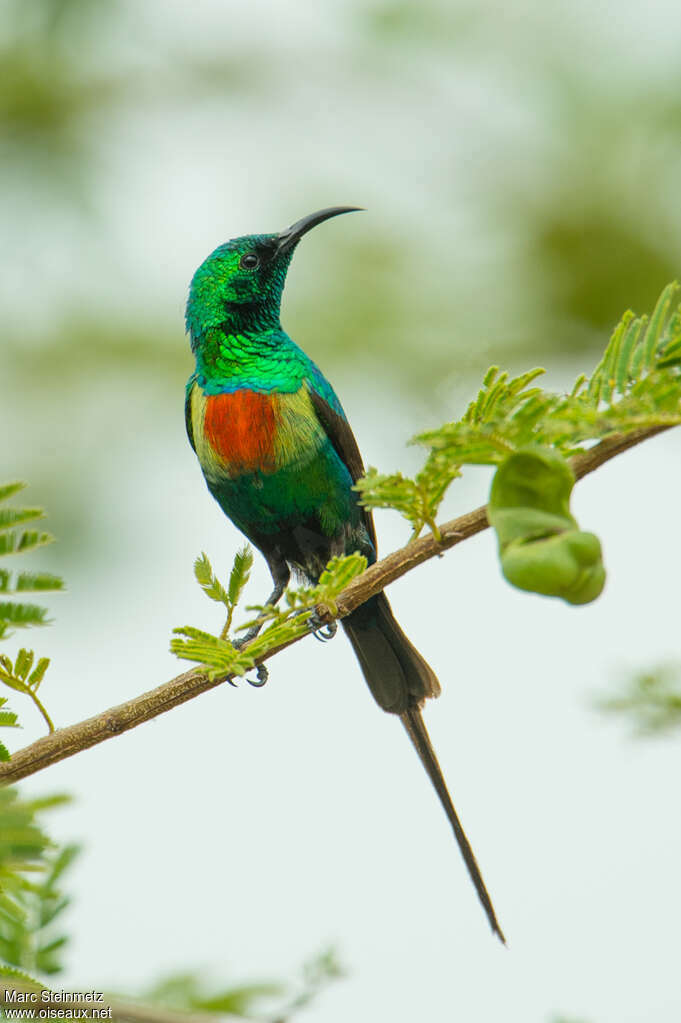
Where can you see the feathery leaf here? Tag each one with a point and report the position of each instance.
(209, 582)
(10, 489)
(636, 384)
(240, 574)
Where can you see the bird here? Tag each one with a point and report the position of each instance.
(279, 457)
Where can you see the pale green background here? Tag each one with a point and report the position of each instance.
(520, 168)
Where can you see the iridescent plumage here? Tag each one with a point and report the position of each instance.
(280, 459)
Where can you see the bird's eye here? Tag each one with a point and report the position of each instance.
(249, 261)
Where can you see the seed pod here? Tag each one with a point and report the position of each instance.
(541, 546)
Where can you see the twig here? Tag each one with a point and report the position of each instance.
(65, 742)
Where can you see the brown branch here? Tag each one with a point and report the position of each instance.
(65, 742)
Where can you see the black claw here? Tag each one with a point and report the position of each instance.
(326, 633)
(263, 675)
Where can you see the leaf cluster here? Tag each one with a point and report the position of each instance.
(213, 588)
(15, 539)
(190, 990)
(636, 384)
(31, 897)
(21, 675)
(218, 655)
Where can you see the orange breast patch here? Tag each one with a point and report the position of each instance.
(240, 429)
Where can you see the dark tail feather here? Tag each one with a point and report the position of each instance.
(416, 730)
(397, 675)
(400, 680)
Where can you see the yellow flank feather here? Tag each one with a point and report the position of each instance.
(212, 465)
(298, 434)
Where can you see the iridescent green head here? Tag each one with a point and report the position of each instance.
(240, 285)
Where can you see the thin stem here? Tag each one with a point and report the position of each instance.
(41, 708)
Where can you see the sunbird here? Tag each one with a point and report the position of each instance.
(279, 457)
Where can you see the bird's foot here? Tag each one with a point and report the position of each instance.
(262, 675)
(321, 630)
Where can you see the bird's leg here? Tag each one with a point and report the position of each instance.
(274, 597)
(280, 575)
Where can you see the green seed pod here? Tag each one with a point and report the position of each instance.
(540, 544)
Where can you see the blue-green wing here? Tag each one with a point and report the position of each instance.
(338, 431)
(188, 410)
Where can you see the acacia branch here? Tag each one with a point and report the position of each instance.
(65, 742)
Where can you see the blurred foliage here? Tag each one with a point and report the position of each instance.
(194, 991)
(605, 228)
(650, 700)
(589, 215)
(32, 869)
(31, 899)
(60, 77)
(46, 93)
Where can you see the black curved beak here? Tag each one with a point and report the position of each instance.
(288, 238)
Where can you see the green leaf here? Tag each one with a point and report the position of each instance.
(339, 572)
(623, 371)
(219, 657)
(209, 582)
(238, 1000)
(31, 870)
(636, 385)
(60, 864)
(203, 570)
(10, 489)
(10, 971)
(12, 680)
(42, 803)
(216, 655)
(15, 516)
(38, 673)
(19, 543)
(240, 574)
(38, 582)
(22, 615)
(657, 321)
(23, 663)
